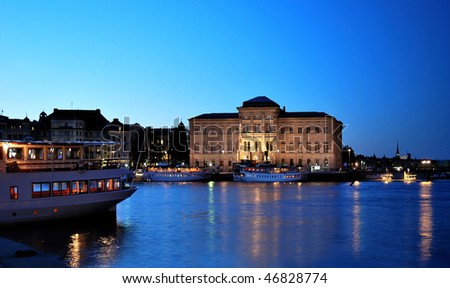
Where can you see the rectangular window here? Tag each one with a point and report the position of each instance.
(79, 187)
(109, 184)
(300, 130)
(117, 184)
(40, 190)
(15, 153)
(36, 154)
(112, 184)
(96, 186)
(73, 153)
(55, 153)
(61, 188)
(13, 193)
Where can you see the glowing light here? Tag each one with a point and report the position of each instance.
(5, 146)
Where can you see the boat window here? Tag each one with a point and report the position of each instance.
(61, 188)
(13, 192)
(73, 153)
(117, 184)
(55, 153)
(96, 186)
(40, 190)
(35, 154)
(15, 153)
(109, 184)
(79, 187)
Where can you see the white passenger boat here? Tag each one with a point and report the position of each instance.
(177, 174)
(266, 173)
(42, 180)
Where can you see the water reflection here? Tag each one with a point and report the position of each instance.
(356, 234)
(425, 221)
(226, 224)
(73, 241)
(73, 257)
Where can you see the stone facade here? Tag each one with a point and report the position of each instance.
(263, 132)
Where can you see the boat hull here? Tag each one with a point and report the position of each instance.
(268, 177)
(28, 209)
(177, 177)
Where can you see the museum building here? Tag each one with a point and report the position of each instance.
(263, 132)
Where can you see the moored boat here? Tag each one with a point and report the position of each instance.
(409, 177)
(177, 174)
(42, 180)
(384, 177)
(266, 173)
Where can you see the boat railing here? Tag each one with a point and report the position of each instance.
(59, 165)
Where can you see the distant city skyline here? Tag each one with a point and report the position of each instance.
(381, 67)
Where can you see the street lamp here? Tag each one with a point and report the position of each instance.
(277, 157)
(349, 162)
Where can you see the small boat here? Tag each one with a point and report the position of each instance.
(266, 173)
(177, 174)
(42, 180)
(387, 177)
(384, 177)
(409, 177)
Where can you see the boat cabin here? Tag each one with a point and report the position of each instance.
(28, 156)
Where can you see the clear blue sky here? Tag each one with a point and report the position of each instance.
(381, 67)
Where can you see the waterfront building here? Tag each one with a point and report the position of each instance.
(16, 129)
(261, 131)
(168, 145)
(72, 125)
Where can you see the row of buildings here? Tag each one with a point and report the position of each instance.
(260, 131)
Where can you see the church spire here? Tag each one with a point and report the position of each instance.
(397, 153)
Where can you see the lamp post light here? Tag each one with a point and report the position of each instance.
(276, 160)
(349, 162)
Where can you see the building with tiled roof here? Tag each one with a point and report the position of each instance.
(263, 132)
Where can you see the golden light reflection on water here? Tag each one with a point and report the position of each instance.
(105, 254)
(257, 236)
(425, 221)
(75, 247)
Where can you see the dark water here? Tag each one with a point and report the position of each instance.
(227, 224)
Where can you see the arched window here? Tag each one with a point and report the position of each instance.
(317, 147)
(326, 147)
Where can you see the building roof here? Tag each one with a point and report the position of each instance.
(284, 114)
(263, 101)
(260, 101)
(216, 116)
(94, 119)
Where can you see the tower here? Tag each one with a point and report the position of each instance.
(397, 154)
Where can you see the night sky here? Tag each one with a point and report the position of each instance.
(381, 67)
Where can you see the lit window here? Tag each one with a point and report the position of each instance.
(79, 187)
(40, 190)
(60, 188)
(13, 192)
